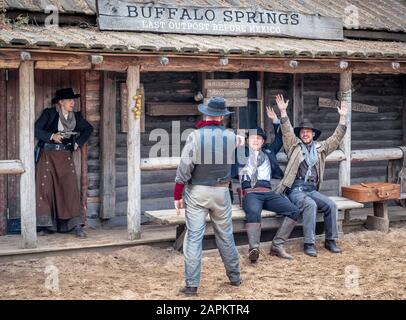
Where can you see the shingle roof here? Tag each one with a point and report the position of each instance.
(387, 15)
(92, 39)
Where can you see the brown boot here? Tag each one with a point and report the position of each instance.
(254, 236)
(189, 291)
(281, 236)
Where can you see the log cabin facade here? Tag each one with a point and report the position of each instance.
(118, 177)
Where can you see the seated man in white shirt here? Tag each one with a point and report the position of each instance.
(255, 178)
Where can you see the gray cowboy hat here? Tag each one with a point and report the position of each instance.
(215, 107)
(65, 93)
(307, 125)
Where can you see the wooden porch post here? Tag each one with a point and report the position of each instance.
(344, 176)
(26, 136)
(133, 158)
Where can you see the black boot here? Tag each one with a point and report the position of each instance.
(281, 237)
(236, 283)
(331, 246)
(189, 291)
(254, 236)
(310, 249)
(79, 232)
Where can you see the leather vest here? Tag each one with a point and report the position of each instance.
(215, 155)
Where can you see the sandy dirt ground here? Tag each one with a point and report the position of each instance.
(372, 266)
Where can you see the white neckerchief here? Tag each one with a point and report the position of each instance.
(264, 170)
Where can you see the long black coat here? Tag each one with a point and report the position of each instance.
(47, 124)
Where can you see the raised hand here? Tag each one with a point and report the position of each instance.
(240, 140)
(271, 113)
(282, 105)
(343, 110)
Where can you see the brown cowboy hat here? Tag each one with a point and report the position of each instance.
(307, 125)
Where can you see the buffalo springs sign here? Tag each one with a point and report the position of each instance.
(134, 16)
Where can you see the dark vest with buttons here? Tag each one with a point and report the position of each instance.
(214, 157)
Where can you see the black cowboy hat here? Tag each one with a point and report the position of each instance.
(65, 93)
(215, 107)
(307, 125)
(256, 131)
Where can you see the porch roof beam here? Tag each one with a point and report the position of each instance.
(150, 62)
(9, 64)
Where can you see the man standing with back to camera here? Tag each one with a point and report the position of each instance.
(204, 173)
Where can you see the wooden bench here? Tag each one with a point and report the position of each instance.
(380, 219)
(269, 219)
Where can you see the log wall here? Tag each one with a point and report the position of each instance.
(93, 115)
(384, 91)
(157, 186)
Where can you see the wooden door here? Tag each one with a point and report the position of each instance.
(9, 184)
(46, 83)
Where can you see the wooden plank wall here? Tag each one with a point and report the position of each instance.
(48, 81)
(3, 151)
(13, 181)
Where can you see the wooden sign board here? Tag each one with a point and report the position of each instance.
(120, 15)
(171, 109)
(226, 83)
(359, 107)
(233, 102)
(227, 93)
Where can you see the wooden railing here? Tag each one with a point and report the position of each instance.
(337, 156)
(11, 167)
(161, 163)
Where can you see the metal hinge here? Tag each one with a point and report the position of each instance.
(8, 213)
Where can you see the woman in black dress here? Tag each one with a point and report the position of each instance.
(59, 131)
